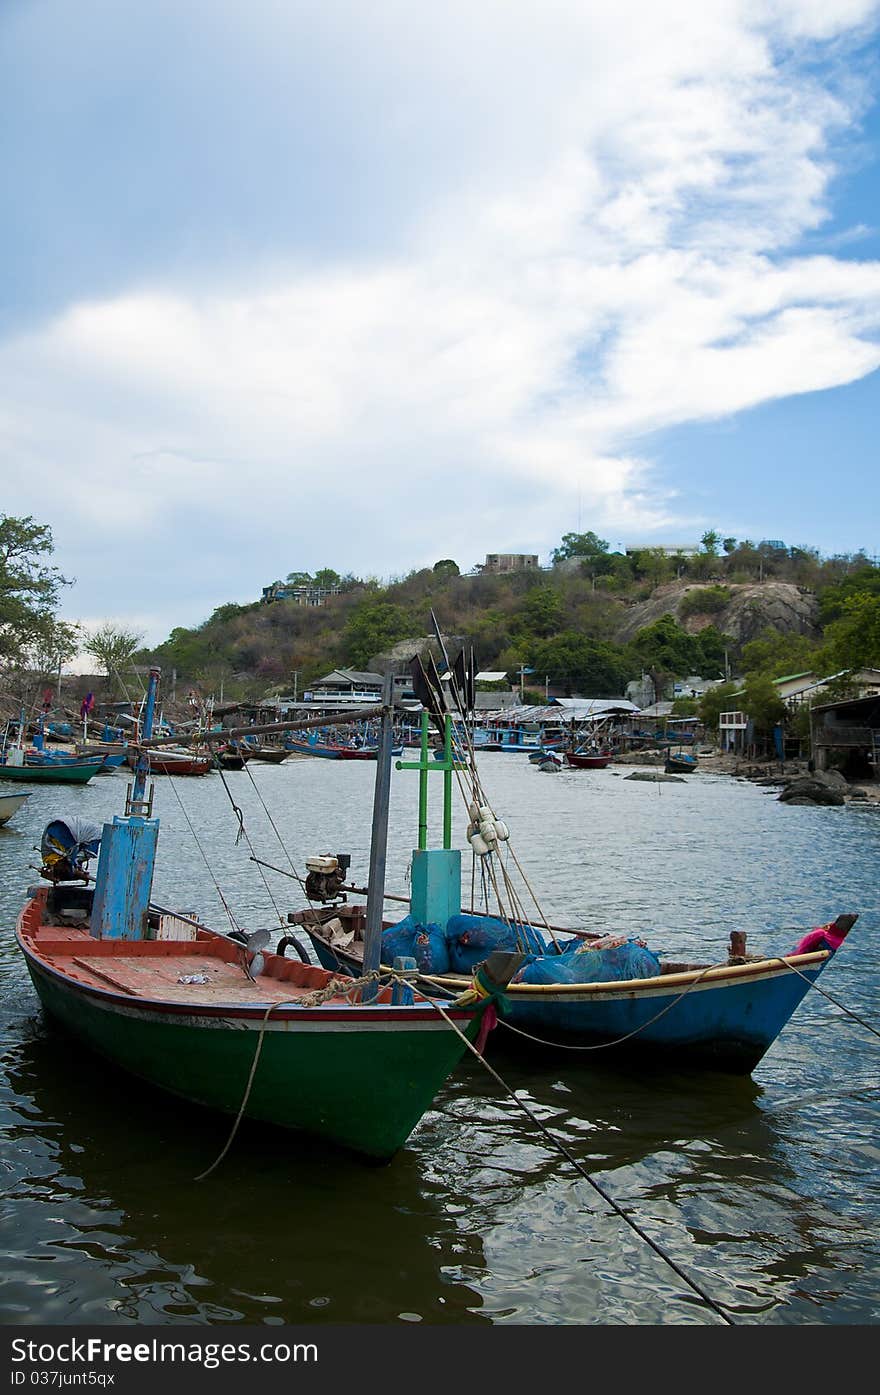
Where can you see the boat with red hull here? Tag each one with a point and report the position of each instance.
(588, 760)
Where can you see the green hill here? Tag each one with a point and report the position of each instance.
(588, 623)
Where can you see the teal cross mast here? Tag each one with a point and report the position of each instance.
(436, 872)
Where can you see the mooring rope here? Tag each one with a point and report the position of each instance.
(843, 1008)
(606, 1196)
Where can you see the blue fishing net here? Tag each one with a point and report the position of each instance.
(472, 937)
(426, 944)
(585, 965)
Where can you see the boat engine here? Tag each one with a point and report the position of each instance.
(67, 846)
(326, 876)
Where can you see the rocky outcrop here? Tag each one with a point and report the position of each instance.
(825, 787)
(776, 605)
(655, 777)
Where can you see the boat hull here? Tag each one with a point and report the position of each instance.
(726, 1025)
(359, 1078)
(723, 1018)
(9, 803)
(52, 773)
(584, 762)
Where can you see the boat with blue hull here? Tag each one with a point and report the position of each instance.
(577, 989)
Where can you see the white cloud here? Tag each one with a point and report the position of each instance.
(608, 245)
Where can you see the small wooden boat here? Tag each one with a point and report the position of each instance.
(549, 762)
(328, 750)
(273, 755)
(9, 803)
(49, 772)
(679, 763)
(588, 760)
(229, 758)
(167, 762)
(221, 1021)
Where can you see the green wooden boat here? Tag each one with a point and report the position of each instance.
(51, 772)
(225, 1023)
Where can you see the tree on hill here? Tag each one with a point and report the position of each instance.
(327, 578)
(373, 626)
(587, 545)
(864, 581)
(113, 646)
(447, 567)
(29, 589)
(779, 654)
(853, 641)
(581, 665)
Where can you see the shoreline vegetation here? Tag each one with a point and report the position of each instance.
(710, 626)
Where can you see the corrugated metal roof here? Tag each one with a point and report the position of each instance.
(593, 707)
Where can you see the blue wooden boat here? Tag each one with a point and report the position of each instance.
(680, 763)
(722, 1016)
(580, 989)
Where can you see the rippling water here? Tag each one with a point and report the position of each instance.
(764, 1189)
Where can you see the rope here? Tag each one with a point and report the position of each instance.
(242, 833)
(600, 1045)
(290, 1002)
(333, 989)
(848, 1011)
(606, 1196)
(229, 915)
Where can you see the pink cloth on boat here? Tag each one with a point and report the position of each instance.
(490, 1019)
(823, 937)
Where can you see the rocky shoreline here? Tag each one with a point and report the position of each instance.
(797, 784)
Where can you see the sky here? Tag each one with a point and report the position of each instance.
(292, 285)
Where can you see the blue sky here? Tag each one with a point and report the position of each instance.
(292, 285)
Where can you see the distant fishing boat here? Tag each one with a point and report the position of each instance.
(679, 763)
(273, 755)
(328, 750)
(46, 772)
(218, 1019)
(588, 760)
(167, 762)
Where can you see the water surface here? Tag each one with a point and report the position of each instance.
(763, 1188)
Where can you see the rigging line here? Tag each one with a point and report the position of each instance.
(293, 871)
(478, 795)
(843, 1008)
(606, 1196)
(281, 842)
(242, 833)
(229, 915)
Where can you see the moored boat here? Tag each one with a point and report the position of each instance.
(46, 772)
(218, 1019)
(583, 990)
(588, 760)
(9, 804)
(679, 763)
(166, 762)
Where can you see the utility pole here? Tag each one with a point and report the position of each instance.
(295, 682)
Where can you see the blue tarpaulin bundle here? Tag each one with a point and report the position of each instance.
(585, 965)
